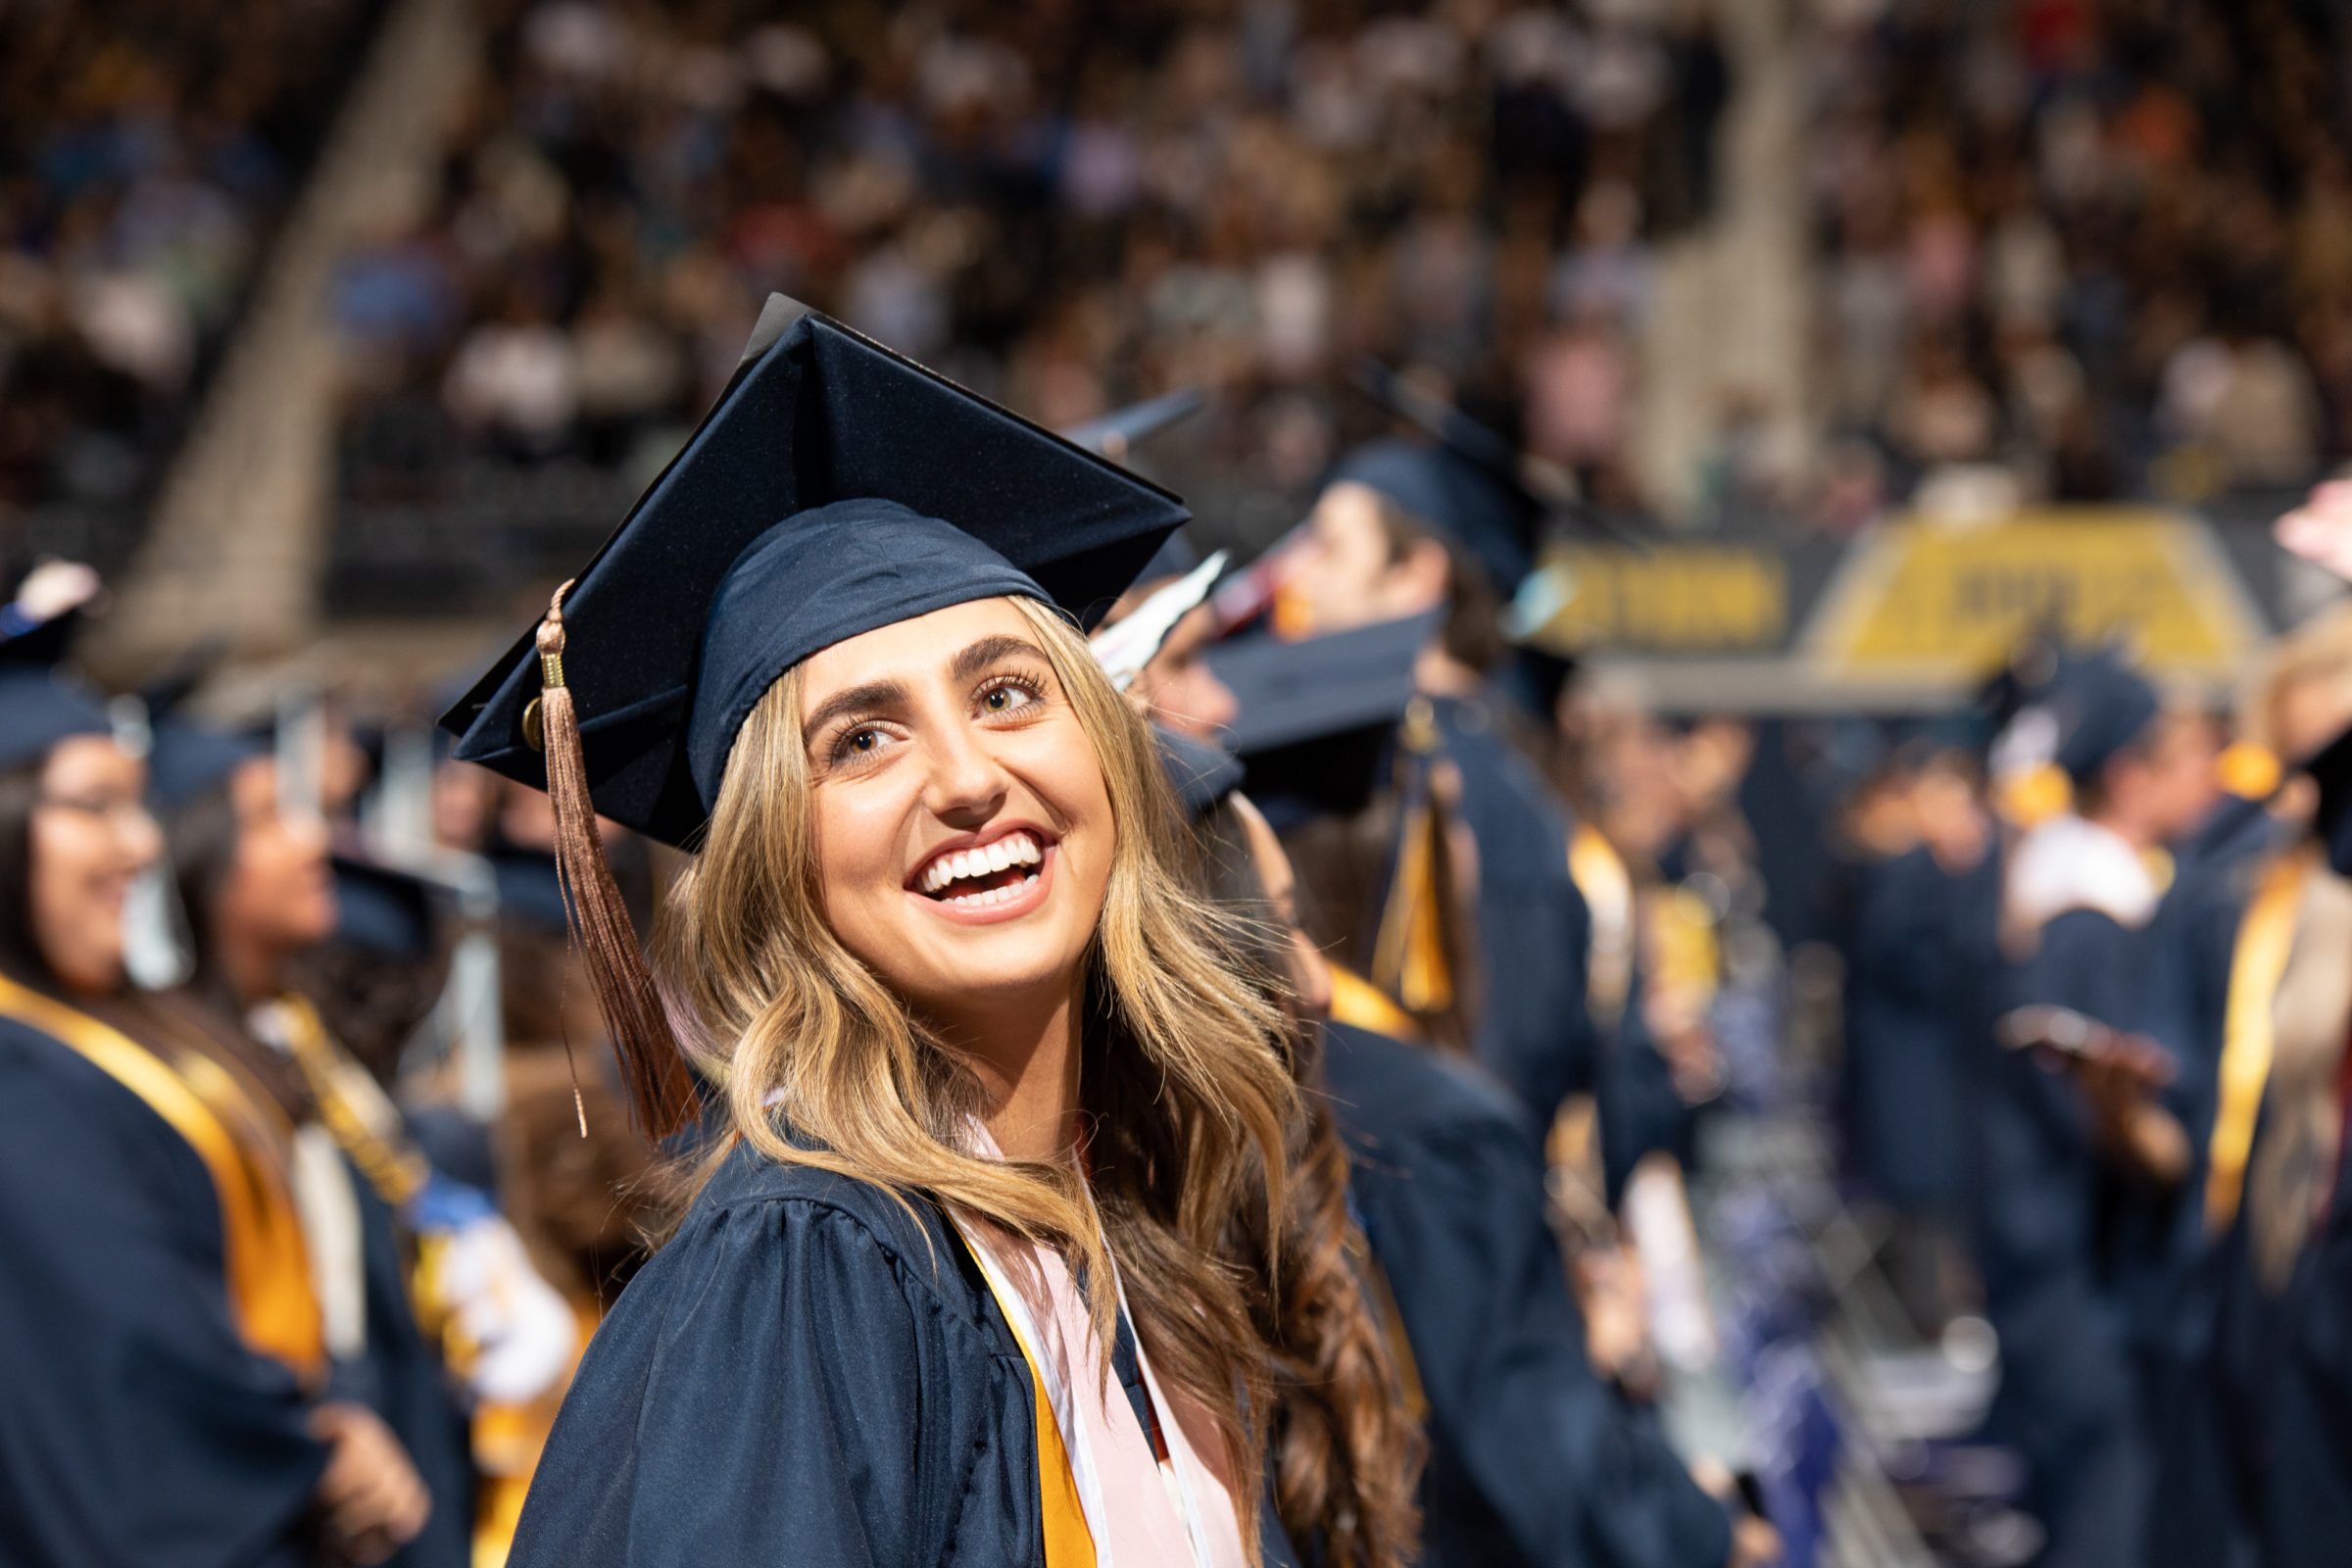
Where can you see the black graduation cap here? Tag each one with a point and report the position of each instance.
(38, 708)
(382, 909)
(2101, 706)
(187, 761)
(835, 488)
(1202, 774)
(1315, 715)
(1462, 500)
(531, 888)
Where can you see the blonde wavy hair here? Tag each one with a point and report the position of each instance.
(1187, 1100)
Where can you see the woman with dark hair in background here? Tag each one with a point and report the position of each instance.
(162, 1396)
(259, 891)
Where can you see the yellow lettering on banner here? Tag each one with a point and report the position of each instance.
(1927, 602)
(1671, 599)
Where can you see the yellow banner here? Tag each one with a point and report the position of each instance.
(1924, 601)
(1672, 599)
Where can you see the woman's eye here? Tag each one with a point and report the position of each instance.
(1008, 695)
(857, 744)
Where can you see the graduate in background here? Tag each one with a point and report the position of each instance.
(391, 1237)
(1405, 528)
(977, 1042)
(1533, 1457)
(164, 1399)
(2275, 1000)
(2086, 1153)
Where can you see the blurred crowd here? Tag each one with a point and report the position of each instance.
(1062, 208)
(2099, 248)
(147, 147)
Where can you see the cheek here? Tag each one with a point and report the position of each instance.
(857, 832)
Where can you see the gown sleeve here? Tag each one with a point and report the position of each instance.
(137, 1427)
(771, 1388)
(1573, 1475)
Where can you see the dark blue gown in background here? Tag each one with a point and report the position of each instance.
(1535, 932)
(1907, 1071)
(2081, 1263)
(808, 1373)
(402, 1378)
(137, 1430)
(1533, 1459)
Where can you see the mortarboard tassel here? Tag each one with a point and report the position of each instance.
(661, 1090)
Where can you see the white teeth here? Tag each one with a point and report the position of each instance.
(1014, 849)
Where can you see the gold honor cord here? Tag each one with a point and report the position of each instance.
(1358, 1003)
(270, 1296)
(2265, 939)
(1601, 875)
(397, 1171)
(1069, 1539)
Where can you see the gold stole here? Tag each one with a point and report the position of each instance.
(1601, 875)
(2265, 939)
(270, 1298)
(1358, 1002)
(1069, 1539)
(1409, 960)
(352, 1106)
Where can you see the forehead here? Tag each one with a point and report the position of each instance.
(909, 651)
(80, 761)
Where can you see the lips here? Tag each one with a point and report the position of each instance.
(985, 874)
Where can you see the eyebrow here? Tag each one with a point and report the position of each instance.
(857, 700)
(991, 651)
(881, 694)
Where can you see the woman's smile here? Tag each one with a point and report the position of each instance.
(991, 877)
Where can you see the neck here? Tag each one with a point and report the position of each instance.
(255, 970)
(1027, 1059)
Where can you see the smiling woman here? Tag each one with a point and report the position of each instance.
(960, 1283)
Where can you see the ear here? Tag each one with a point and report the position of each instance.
(1422, 576)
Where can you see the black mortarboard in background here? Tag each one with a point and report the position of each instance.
(2101, 706)
(1468, 504)
(382, 909)
(40, 706)
(187, 761)
(836, 489)
(531, 888)
(1117, 434)
(1316, 716)
(1202, 774)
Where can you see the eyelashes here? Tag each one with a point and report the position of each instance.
(1008, 695)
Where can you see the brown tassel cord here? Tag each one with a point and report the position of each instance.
(660, 1086)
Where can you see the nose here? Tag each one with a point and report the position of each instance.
(141, 839)
(967, 785)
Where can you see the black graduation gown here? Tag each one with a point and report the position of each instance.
(1533, 1458)
(403, 1380)
(1535, 932)
(810, 1372)
(1906, 1072)
(2083, 1266)
(137, 1427)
